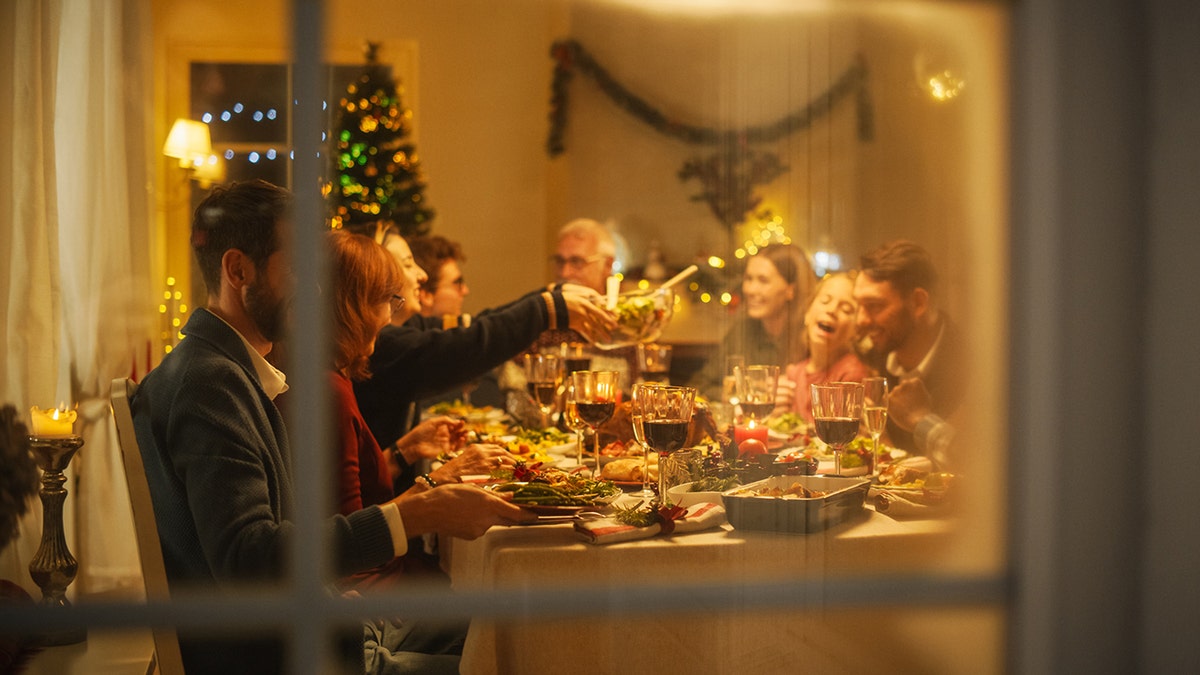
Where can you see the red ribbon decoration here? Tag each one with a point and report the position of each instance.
(667, 515)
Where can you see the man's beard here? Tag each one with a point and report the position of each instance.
(268, 313)
(893, 339)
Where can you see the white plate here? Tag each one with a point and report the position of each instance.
(565, 450)
(683, 496)
(825, 467)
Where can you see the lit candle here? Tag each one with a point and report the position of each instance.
(613, 287)
(52, 423)
(751, 429)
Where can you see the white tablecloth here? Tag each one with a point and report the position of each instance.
(709, 641)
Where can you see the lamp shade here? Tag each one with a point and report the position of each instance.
(188, 142)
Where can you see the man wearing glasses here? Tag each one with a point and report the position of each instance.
(585, 254)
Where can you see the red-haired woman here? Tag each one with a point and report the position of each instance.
(368, 287)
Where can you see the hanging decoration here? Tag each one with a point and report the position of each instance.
(728, 179)
(376, 172)
(730, 176)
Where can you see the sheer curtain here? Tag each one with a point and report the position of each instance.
(76, 199)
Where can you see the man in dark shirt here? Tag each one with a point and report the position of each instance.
(215, 447)
(909, 334)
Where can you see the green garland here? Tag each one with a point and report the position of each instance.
(569, 56)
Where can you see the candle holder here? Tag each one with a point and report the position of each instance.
(53, 568)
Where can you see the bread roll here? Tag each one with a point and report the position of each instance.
(627, 470)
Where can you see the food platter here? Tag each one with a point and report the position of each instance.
(840, 498)
(551, 510)
(557, 489)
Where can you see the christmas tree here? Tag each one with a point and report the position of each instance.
(376, 173)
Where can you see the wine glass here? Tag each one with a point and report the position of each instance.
(837, 408)
(576, 357)
(543, 374)
(666, 415)
(641, 392)
(573, 421)
(756, 390)
(654, 362)
(875, 390)
(756, 395)
(595, 395)
(729, 383)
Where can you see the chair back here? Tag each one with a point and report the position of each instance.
(166, 641)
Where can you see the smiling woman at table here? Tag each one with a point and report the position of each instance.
(777, 281)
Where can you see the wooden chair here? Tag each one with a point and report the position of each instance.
(167, 659)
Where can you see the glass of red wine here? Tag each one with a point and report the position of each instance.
(576, 357)
(641, 392)
(666, 416)
(543, 375)
(594, 397)
(654, 362)
(574, 422)
(837, 409)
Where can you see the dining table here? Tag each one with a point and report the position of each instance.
(707, 639)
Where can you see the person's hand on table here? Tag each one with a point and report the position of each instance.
(462, 511)
(476, 459)
(908, 403)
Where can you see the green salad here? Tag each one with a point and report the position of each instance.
(634, 312)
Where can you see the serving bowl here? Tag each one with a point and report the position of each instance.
(641, 317)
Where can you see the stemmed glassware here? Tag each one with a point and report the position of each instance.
(666, 415)
(641, 392)
(543, 375)
(654, 363)
(837, 408)
(729, 383)
(573, 421)
(875, 391)
(756, 390)
(594, 393)
(576, 357)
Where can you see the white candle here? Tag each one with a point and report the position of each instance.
(613, 287)
(52, 423)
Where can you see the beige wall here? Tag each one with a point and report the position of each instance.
(480, 92)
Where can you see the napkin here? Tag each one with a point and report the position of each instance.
(609, 530)
(897, 505)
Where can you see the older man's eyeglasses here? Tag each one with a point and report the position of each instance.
(575, 261)
(397, 302)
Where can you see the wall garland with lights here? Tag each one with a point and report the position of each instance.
(728, 177)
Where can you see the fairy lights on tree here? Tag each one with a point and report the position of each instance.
(376, 173)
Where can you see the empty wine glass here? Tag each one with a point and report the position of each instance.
(875, 390)
(837, 408)
(756, 387)
(595, 395)
(666, 416)
(543, 375)
(729, 382)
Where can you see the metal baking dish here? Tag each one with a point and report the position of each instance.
(747, 510)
